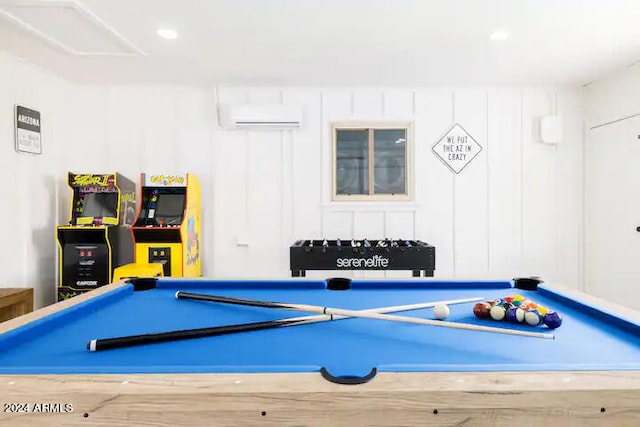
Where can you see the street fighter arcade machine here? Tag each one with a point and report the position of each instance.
(98, 237)
(167, 228)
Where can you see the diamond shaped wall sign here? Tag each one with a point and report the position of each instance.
(457, 148)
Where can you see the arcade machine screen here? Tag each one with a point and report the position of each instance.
(170, 208)
(100, 205)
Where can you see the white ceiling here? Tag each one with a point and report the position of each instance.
(326, 42)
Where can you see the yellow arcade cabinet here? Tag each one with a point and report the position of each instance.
(97, 238)
(167, 228)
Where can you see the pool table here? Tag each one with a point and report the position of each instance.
(350, 371)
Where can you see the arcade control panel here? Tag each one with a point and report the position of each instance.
(414, 255)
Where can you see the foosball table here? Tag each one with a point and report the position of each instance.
(350, 254)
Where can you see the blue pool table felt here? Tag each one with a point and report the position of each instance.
(589, 339)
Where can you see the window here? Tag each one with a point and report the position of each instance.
(371, 162)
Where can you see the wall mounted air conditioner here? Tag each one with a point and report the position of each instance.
(276, 117)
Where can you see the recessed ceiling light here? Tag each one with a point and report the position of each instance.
(168, 33)
(499, 36)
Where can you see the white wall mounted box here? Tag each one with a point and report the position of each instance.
(551, 129)
(275, 117)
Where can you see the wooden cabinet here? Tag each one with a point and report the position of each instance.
(15, 302)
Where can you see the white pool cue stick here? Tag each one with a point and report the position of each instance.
(355, 313)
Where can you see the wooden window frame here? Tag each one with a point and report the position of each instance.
(368, 126)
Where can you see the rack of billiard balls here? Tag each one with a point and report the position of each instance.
(517, 309)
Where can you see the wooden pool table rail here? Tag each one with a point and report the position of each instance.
(392, 399)
(53, 308)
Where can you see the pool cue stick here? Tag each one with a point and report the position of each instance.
(354, 313)
(132, 340)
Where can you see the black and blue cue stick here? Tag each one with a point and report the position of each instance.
(133, 340)
(358, 314)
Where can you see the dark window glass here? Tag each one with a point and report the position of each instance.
(352, 160)
(389, 161)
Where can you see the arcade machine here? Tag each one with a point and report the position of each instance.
(98, 237)
(167, 229)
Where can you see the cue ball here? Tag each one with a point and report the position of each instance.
(441, 311)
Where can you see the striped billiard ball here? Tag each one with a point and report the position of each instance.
(497, 312)
(533, 317)
(512, 315)
(542, 310)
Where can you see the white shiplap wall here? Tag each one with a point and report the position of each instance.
(91, 129)
(28, 200)
(136, 129)
(515, 210)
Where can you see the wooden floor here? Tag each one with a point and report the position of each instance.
(15, 302)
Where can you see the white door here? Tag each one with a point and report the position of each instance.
(612, 195)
